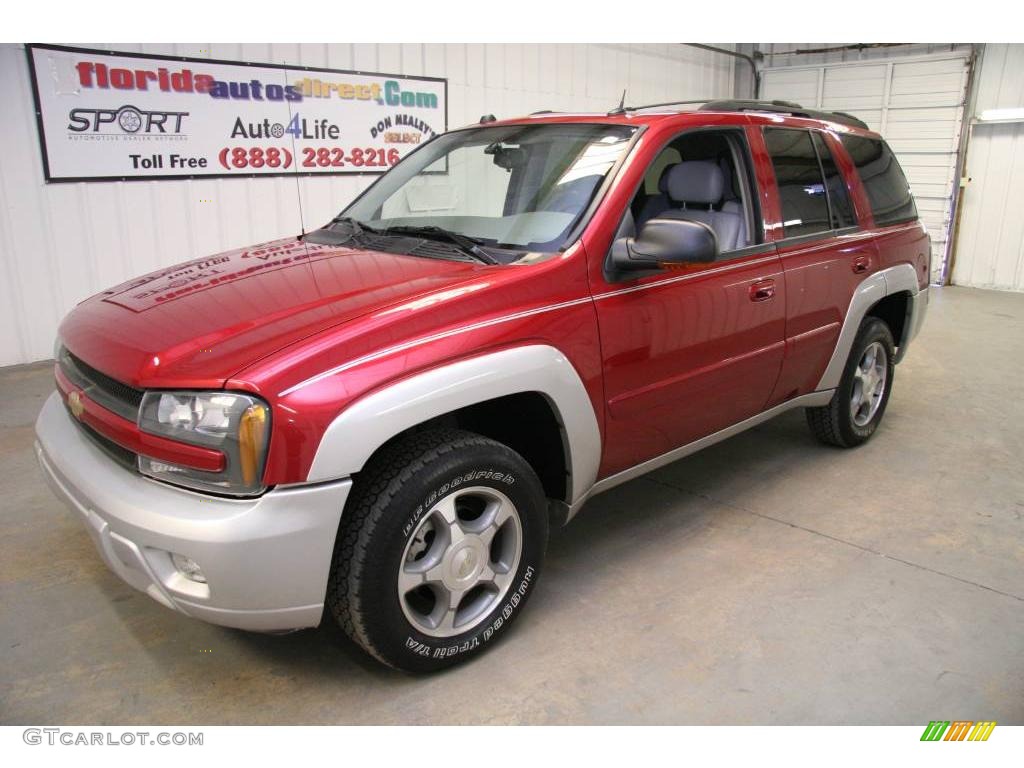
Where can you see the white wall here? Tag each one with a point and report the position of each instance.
(783, 54)
(60, 243)
(915, 101)
(990, 246)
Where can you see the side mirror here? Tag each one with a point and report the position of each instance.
(664, 242)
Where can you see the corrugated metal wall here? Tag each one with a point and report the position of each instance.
(990, 245)
(782, 54)
(915, 101)
(63, 242)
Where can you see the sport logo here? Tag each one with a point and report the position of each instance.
(128, 119)
(958, 730)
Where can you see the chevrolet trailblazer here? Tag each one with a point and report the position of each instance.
(378, 422)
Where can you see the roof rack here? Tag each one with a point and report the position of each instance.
(753, 105)
(783, 107)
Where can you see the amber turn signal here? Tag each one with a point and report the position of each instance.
(251, 439)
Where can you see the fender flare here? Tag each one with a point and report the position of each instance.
(363, 427)
(898, 279)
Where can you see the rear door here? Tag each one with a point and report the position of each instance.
(824, 252)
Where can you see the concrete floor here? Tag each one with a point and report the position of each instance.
(766, 580)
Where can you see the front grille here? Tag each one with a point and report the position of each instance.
(107, 392)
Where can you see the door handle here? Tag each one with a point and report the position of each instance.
(860, 265)
(762, 290)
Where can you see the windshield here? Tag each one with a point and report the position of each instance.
(519, 186)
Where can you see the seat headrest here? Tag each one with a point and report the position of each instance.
(663, 179)
(696, 181)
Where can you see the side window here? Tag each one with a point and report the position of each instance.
(886, 186)
(798, 176)
(702, 176)
(838, 197)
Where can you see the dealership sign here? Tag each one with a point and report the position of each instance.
(114, 116)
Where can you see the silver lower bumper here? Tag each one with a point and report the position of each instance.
(266, 560)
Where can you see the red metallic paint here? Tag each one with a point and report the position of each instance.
(683, 355)
(819, 282)
(196, 324)
(425, 328)
(820, 275)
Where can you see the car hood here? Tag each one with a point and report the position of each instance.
(196, 324)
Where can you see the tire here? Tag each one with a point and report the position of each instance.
(445, 508)
(843, 422)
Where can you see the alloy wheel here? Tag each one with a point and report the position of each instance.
(459, 561)
(869, 379)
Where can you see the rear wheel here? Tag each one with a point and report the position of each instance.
(859, 402)
(439, 548)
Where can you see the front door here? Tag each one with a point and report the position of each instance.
(689, 352)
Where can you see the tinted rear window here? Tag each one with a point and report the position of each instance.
(887, 187)
(798, 176)
(838, 198)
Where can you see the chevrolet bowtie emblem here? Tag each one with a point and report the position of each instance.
(75, 405)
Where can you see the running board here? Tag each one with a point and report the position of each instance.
(812, 400)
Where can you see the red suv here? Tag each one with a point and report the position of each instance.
(383, 418)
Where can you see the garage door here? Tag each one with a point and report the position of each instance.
(915, 103)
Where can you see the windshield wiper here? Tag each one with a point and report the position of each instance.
(465, 243)
(355, 225)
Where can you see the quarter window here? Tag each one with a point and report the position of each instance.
(838, 197)
(800, 183)
(886, 186)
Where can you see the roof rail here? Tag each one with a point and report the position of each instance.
(752, 105)
(785, 108)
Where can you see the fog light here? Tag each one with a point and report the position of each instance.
(188, 568)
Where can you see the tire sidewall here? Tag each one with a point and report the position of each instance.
(386, 626)
(874, 330)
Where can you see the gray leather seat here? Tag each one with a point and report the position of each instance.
(736, 207)
(702, 183)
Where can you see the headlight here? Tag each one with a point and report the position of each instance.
(237, 425)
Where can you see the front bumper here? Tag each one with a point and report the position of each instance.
(266, 560)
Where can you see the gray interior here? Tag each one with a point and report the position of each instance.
(699, 177)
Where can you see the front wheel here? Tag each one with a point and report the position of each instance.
(859, 402)
(439, 549)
